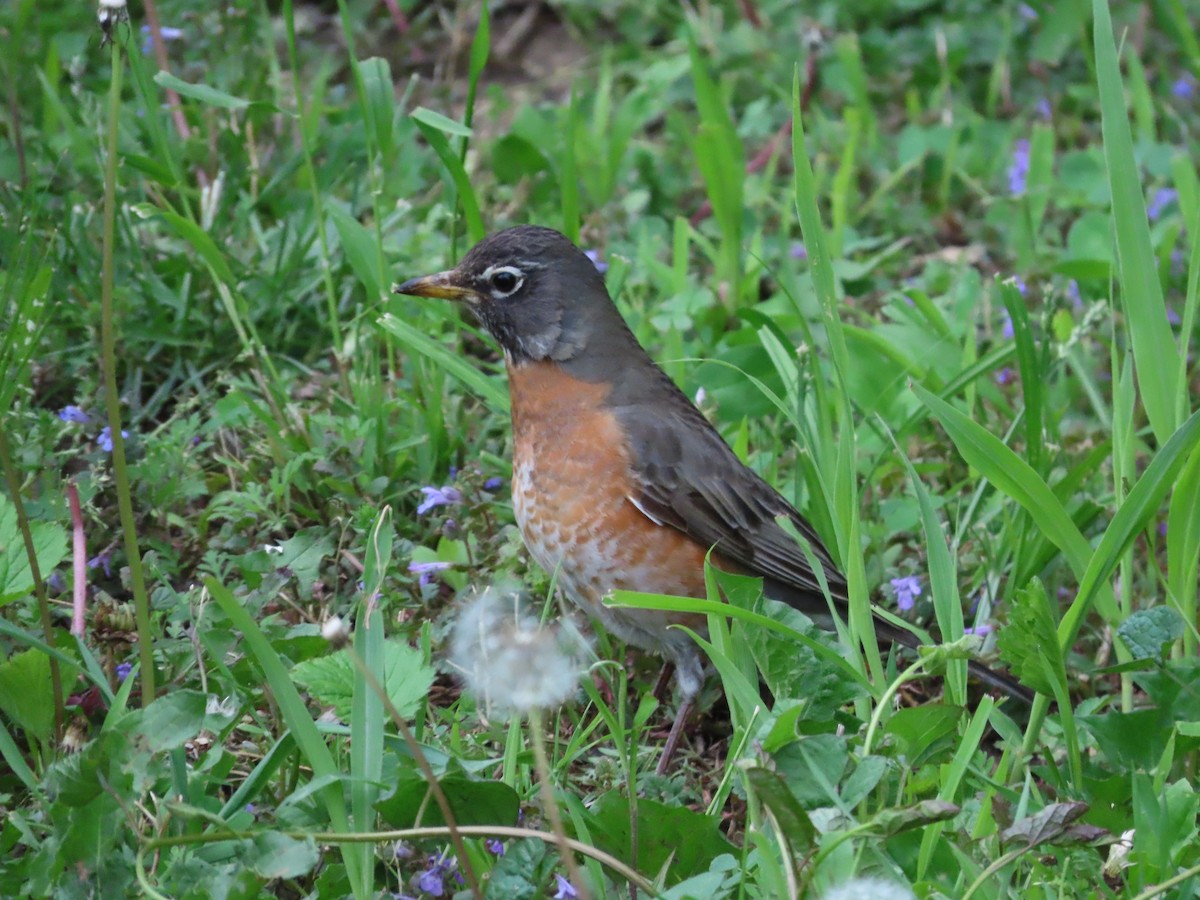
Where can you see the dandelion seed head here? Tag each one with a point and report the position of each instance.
(335, 631)
(508, 659)
(869, 889)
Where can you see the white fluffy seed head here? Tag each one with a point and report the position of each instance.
(509, 661)
(869, 889)
(335, 631)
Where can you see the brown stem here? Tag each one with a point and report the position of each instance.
(79, 562)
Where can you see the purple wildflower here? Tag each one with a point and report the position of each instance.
(1162, 198)
(594, 256)
(565, 889)
(1006, 330)
(1018, 171)
(1184, 87)
(426, 570)
(1044, 109)
(1162, 529)
(1027, 12)
(798, 250)
(1005, 376)
(123, 670)
(55, 582)
(493, 484)
(74, 414)
(102, 561)
(168, 34)
(979, 630)
(104, 438)
(907, 589)
(434, 496)
(1173, 317)
(495, 846)
(1074, 296)
(430, 881)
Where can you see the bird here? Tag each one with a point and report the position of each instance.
(619, 481)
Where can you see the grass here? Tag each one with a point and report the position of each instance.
(936, 280)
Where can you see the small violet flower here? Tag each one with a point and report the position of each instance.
(1043, 109)
(435, 496)
(104, 438)
(1074, 296)
(566, 890)
(74, 414)
(426, 570)
(495, 846)
(168, 34)
(978, 629)
(1005, 376)
(431, 880)
(1184, 87)
(798, 250)
(1018, 171)
(1006, 330)
(1027, 12)
(594, 256)
(123, 670)
(493, 484)
(907, 589)
(101, 561)
(1162, 198)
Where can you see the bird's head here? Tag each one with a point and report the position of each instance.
(537, 293)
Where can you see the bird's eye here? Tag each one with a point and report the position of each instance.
(505, 281)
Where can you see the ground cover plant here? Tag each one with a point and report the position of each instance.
(260, 579)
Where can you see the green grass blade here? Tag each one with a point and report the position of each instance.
(1155, 354)
(295, 715)
(432, 125)
(1140, 506)
(416, 341)
(1009, 473)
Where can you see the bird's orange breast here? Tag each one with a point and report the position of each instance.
(572, 488)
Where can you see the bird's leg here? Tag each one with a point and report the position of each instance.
(686, 705)
(664, 682)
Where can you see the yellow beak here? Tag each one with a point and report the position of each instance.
(443, 286)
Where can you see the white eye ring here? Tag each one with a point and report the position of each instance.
(498, 278)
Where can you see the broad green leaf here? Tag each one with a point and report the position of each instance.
(273, 855)
(49, 544)
(173, 719)
(26, 694)
(472, 801)
(1028, 643)
(330, 679)
(794, 824)
(1149, 633)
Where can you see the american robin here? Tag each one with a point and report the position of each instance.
(619, 482)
